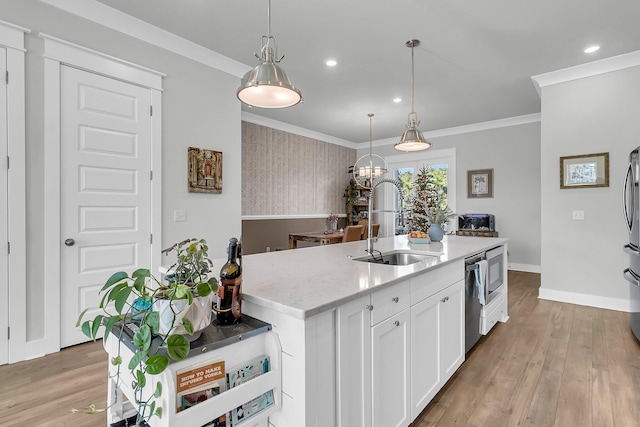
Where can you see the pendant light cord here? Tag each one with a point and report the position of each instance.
(269, 18)
(413, 110)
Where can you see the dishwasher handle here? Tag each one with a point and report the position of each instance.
(631, 251)
(631, 278)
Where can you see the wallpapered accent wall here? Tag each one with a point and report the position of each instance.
(288, 174)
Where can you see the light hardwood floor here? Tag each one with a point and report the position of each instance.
(552, 364)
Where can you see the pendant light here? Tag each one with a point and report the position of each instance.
(267, 85)
(412, 139)
(370, 166)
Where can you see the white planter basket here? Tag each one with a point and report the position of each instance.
(198, 313)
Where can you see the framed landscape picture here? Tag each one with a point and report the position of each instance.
(585, 170)
(479, 183)
(205, 171)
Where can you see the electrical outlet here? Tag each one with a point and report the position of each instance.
(578, 215)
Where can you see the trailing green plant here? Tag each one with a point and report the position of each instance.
(188, 276)
(129, 299)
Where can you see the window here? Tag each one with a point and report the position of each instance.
(404, 168)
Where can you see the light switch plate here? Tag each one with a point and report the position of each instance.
(578, 215)
(179, 215)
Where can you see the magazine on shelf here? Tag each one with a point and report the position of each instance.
(242, 374)
(198, 383)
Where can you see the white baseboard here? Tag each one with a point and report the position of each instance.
(584, 299)
(527, 268)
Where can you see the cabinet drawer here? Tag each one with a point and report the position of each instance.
(492, 314)
(435, 280)
(390, 301)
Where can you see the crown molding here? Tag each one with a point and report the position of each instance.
(286, 127)
(109, 17)
(474, 127)
(590, 69)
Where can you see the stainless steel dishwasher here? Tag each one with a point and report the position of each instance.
(472, 304)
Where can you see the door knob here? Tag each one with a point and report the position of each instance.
(69, 242)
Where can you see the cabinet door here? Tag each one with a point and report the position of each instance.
(354, 363)
(425, 353)
(451, 329)
(390, 371)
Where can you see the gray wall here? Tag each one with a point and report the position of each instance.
(513, 153)
(589, 115)
(199, 109)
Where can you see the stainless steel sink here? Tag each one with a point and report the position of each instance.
(394, 258)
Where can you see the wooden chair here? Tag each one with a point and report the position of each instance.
(352, 233)
(365, 232)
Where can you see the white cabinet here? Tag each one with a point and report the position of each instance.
(397, 347)
(451, 328)
(390, 371)
(354, 363)
(437, 343)
(437, 335)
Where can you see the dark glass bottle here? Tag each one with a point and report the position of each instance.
(229, 296)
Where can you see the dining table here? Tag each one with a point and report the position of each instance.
(315, 236)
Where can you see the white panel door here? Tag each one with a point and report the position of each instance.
(4, 215)
(105, 188)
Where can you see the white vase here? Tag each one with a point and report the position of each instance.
(172, 313)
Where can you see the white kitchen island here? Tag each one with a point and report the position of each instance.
(364, 344)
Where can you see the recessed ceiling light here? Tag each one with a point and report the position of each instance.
(397, 100)
(331, 62)
(592, 49)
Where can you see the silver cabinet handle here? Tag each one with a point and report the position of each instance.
(69, 242)
(397, 323)
(395, 299)
(445, 299)
(369, 307)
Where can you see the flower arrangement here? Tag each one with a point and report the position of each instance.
(333, 218)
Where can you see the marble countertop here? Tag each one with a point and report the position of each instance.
(307, 281)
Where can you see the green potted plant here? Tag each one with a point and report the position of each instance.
(184, 302)
(156, 310)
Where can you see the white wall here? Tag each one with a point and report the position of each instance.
(513, 152)
(199, 109)
(582, 261)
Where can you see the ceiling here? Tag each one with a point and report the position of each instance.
(473, 65)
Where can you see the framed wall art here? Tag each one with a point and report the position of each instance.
(479, 183)
(205, 171)
(585, 170)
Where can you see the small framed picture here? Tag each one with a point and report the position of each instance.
(479, 183)
(585, 170)
(205, 171)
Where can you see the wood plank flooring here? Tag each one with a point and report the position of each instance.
(551, 364)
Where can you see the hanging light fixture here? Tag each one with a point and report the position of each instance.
(267, 85)
(370, 166)
(412, 139)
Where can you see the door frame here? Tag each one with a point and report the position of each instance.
(12, 39)
(59, 52)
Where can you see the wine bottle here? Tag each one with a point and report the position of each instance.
(229, 296)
